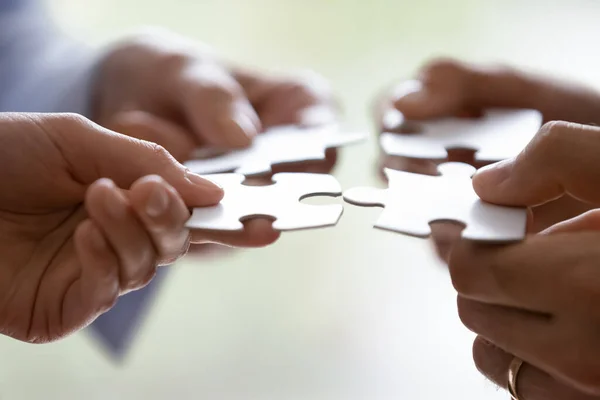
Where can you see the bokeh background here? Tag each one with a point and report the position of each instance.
(343, 313)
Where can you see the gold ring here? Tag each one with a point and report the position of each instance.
(513, 376)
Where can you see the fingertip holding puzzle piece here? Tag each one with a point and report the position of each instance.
(411, 202)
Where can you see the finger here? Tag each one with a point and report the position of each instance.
(256, 233)
(522, 333)
(505, 275)
(589, 221)
(557, 211)
(112, 213)
(163, 214)
(532, 383)
(449, 87)
(216, 106)
(303, 100)
(97, 288)
(561, 159)
(443, 88)
(141, 125)
(93, 152)
(444, 236)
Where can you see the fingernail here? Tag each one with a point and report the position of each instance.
(157, 202)
(495, 174)
(202, 182)
(115, 202)
(97, 239)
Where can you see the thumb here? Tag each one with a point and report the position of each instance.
(93, 152)
(561, 159)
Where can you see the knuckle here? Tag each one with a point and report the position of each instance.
(141, 278)
(170, 256)
(466, 313)
(68, 124)
(483, 357)
(74, 119)
(444, 68)
(552, 134)
(159, 152)
(460, 272)
(213, 86)
(217, 93)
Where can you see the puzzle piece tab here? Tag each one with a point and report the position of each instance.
(412, 201)
(498, 135)
(280, 200)
(287, 144)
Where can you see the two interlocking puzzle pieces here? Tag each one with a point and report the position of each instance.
(411, 202)
(281, 200)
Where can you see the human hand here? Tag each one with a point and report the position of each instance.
(538, 299)
(172, 91)
(450, 88)
(87, 215)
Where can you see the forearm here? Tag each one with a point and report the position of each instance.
(42, 69)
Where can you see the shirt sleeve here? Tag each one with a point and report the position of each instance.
(41, 68)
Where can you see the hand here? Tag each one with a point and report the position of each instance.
(538, 299)
(447, 88)
(169, 90)
(87, 215)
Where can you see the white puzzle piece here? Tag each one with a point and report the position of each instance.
(499, 134)
(286, 144)
(412, 201)
(280, 200)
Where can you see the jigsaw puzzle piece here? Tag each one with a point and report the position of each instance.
(413, 201)
(397, 219)
(221, 217)
(280, 145)
(280, 201)
(302, 216)
(498, 135)
(491, 223)
(223, 163)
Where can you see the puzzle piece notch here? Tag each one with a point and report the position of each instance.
(280, 201)
(413, 201)
(280, 145)
(498, 135)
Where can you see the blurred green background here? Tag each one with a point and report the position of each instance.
(344, 313)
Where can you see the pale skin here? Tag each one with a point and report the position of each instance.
(537, 300)
(88, 214)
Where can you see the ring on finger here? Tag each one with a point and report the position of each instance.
(513, 376)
